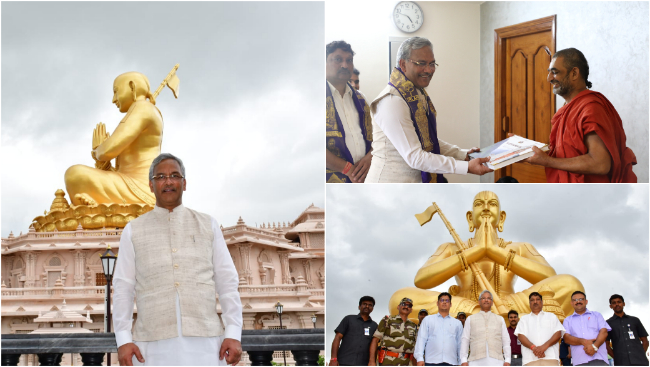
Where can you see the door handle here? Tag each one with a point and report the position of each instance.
(504, 124)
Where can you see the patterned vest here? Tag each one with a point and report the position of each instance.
(485, 326)
(173, 256)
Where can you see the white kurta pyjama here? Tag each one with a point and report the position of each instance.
(397, 154)
(180, 350)
(539, 329)
(487, 361)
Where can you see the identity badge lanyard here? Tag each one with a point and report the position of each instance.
(629, 331)
(366, 331)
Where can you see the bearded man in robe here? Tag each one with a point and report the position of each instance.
(587, 142)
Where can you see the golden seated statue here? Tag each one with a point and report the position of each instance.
(487, 262)
(134, 144)
(107, 196)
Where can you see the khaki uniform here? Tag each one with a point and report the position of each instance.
(397, 336)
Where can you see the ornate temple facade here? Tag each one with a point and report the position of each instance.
(46, 272)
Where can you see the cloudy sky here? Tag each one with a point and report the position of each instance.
(598, 233)
(246, 124)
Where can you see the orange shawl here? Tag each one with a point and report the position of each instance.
(587, 112)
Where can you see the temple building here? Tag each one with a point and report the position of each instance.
(53, 280)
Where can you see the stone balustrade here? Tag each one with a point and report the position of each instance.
(50, 292)
(304, 344)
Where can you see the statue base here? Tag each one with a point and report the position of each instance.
(63, 217)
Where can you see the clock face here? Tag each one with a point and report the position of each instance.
(408, 16)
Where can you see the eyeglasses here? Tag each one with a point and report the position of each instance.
(406, 305)
(422, 64)
(578, 299)
(444, 301)
(486, 298)
(175, 177)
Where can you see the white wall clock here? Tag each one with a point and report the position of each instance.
(408, 16)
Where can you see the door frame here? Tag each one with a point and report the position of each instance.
(500, 37)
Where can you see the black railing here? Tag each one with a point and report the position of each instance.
(304, 344)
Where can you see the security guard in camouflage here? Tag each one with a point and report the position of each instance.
(397, 335)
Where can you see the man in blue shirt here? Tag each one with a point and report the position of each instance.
(438, 342)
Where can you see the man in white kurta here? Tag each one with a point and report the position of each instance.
(539, 333)
(175, 261)
(487, 335)
(397, 154)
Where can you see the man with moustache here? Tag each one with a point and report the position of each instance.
(174, 261)
(353, 336)
(397, 335)
(628, 336)
(438, 342)
(347, 118)
(515, 344)
(485, 337)
(539, 333)
(587, 142)
(405, 144)
(586, 332)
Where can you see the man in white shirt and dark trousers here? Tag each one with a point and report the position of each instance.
(487, 335)
(438, 342)
(347, 119)
(539, 333)
(175, 261)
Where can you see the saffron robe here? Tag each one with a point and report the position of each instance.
(588, 112)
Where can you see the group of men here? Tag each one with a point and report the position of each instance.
(394, 137)
(483, 339)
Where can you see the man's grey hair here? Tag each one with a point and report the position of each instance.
(161, 158)
(485, 291)
(413, 43)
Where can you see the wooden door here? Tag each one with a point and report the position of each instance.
(524, 100)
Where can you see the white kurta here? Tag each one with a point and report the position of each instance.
(349, 116)
(487, 361)
(397, 154)
(539, 329)
(182, 350)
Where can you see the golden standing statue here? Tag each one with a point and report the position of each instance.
(104, 195)
(487, 262)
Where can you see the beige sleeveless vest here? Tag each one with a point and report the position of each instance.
(173, 256)
(485, 326)
(387, 165)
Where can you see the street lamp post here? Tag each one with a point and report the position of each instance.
(108, 263)
(278, 309)
(313, 319)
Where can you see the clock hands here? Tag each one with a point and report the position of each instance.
(407, 17)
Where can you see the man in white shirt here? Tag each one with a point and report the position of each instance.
(174, 261)
(347, 117)
(405, 144)
(539, 333)
(487, 335)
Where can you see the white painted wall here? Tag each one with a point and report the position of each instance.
(454, 30)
